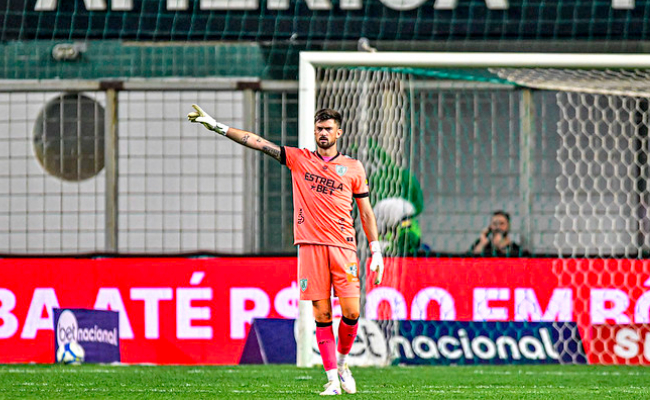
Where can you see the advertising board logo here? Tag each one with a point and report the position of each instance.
(67, 328)
(369, 348)
(453, 342)
(100, 5)
(402, 5)
(622, 343)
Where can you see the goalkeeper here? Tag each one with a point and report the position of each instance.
(324, 184)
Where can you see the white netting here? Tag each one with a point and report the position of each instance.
(603, 154)
(603, 127)
(568, 162)
(622, 82)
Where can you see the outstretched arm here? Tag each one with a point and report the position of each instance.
(242, 137)
(254, 142)
(369, 223)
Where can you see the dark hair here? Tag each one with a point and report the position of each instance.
(328, 113)
(502, 213)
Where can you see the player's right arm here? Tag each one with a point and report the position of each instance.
(242, 137)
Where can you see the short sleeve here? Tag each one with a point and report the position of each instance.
(360, 183)
(288, 156)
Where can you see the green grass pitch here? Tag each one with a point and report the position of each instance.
(288, 382)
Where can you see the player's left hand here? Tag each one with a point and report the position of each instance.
(207, 121)
(377, 262)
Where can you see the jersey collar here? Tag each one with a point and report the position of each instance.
(338, 153)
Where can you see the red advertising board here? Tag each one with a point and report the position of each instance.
(587, 291)
(198, 310)
(463, 289)
(172, 310)
(620, 344)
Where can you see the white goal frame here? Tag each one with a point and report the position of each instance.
(309, 61)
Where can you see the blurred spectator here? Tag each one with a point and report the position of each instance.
(495, 240)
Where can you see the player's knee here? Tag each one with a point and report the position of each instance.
(351, 314)
(323, 316)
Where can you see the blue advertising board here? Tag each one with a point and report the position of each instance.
(270, 341)
(469, 343)
(97, 331)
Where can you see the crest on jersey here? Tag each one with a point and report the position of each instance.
(341, 170)
(303, 284)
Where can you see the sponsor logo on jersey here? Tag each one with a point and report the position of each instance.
(323, 185)
(301, 217)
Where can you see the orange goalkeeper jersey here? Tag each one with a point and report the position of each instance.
(322, 196)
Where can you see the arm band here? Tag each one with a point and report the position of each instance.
(283, 156)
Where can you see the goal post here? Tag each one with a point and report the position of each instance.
(558, 140)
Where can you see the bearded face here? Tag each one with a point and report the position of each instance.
(326, 133)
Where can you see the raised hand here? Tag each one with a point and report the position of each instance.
(204, 118)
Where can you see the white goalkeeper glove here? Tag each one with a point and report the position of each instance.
(207, 121)
(377, 263)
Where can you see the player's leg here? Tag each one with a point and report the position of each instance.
(345, 279)
(348, 327)
(326, 344)
(347, 334)
(316, 285)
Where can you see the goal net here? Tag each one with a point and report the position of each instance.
(560, 142)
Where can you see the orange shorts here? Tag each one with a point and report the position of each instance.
(321, 267)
